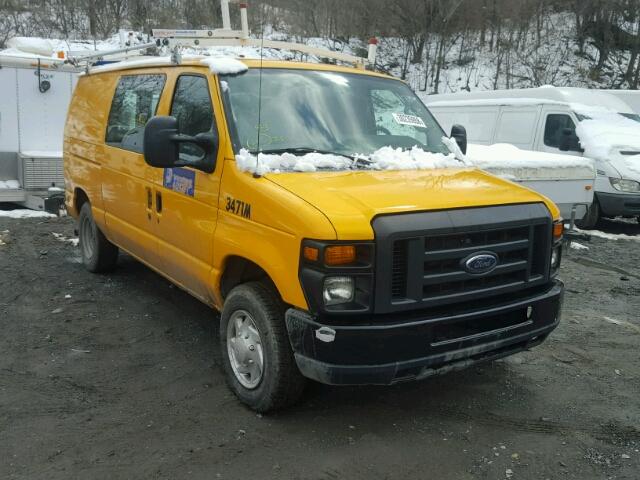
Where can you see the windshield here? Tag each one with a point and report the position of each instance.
(631, 116)
(342, 113)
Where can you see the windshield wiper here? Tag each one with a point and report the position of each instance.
(301, 151)
(358, 162)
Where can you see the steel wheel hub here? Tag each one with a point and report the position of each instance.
(87, 237)
(244, 348)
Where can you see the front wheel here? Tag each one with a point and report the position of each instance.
(257, 357)
(592, 216)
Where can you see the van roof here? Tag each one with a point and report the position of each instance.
(197, 61)
(569, 96)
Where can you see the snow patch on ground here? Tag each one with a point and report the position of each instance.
(578, 246)
(386, 158)
(608, 236)
(224, 65)
(24, 213)
(63, 239)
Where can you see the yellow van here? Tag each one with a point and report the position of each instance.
(330, 255)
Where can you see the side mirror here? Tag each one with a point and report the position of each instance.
(159, 148)
(569, 141)
(459, 134)
(162, 146)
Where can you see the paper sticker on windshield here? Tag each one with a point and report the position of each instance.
(410, 120)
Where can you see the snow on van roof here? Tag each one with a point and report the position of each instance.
(216, 64)
(503, 158)
(462, 102)
(540, 95)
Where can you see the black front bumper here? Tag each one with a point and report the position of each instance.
(415, 347)
(619, 204)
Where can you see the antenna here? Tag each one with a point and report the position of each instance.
(256, 174)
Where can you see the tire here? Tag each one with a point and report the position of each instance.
(98, 253)
(253, 316)
(591, 218)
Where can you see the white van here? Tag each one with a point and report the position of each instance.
(567, 121)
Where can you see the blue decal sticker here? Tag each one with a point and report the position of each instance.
(180, 180)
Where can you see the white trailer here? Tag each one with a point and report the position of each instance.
(36, 94)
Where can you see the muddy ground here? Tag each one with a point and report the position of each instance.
(118, 377)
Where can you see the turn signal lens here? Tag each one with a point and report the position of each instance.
(558, 228)
(340, 255)
(310, 253)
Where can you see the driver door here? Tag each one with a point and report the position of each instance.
(186, 198)
(554, 124)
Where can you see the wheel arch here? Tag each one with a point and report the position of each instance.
(238, 270)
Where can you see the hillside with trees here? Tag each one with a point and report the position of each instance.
(436, 45)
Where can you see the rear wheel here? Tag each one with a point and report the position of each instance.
(592, 216)
(257, 357)
(98, 253)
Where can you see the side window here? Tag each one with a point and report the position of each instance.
(394, 117)
(192, 108)
(134, 103)
(517, 127)
(554, 128)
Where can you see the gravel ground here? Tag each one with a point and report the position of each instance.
(119, 376)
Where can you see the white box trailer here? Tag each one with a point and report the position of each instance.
(33, 110)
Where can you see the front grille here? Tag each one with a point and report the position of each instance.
(427, 268)
(399, 270)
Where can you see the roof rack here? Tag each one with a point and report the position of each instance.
(225, 37)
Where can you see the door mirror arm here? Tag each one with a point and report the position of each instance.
(569, 141)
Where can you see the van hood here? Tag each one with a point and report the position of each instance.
(351, 199)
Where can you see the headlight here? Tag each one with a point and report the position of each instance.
(337, 290)
(624, 185)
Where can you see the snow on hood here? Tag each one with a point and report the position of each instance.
(386, 158)
(605, 133)
(499, 157)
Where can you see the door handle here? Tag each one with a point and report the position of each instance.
(149, 199)
(159, 202)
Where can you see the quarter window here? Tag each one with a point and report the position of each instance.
(134, 103)
(554, 129)
(192, 108)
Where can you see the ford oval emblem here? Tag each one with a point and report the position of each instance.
(480, 263)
